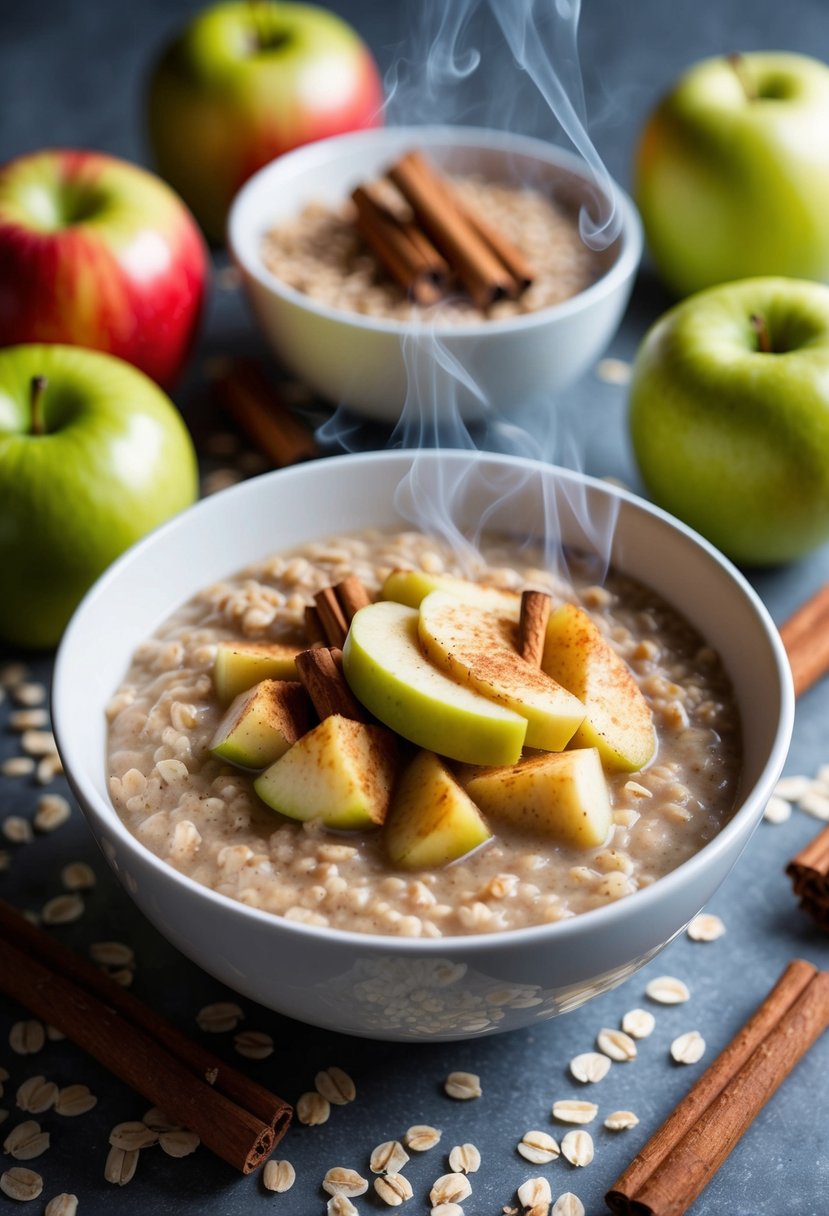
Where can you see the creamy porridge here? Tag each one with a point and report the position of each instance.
(203, 816)
(320, 254)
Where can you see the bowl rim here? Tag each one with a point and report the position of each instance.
(630, 237)
(102, 809)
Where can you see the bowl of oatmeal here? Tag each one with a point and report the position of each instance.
(342, 325)
(320, 920)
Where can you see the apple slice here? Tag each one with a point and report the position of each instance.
(388, 672)
(562, 795)
(412, 586)
(240, 665)
(479, 649)
(262, 723)
(431, 820)
(341, 773)
(618, 719)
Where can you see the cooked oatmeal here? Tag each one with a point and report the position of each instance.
(202, 815)
(320, 254)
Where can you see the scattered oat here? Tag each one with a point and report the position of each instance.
(463, 1086)
(388, 1158)
(17, 766)
(62, 1205)
(447, 1209)
(538, 1147)
(341, 1205)
(38, 743)
(613, 371)
(638, 1023)
(74, 1100)
(590, 1066)
(335, 1086)
(816, 804)
(535, 1194)
(278, 1176)
(20, 1183)
(577, 1147)
(179, 1142)
(29, 693)
(705, 928)
(340, 1180)
(17, 830)
(312, 1108)
(120, 1166)
(219, 1017)
(617, 1044)
(570, 1110)
(54, 1035)
(48, 768)
(688, 1048)
(393, 1189)
(62, 910)
(26, 1141)
(792, 789)
(450, 1188)
(133, 1135)
(666, 990)
(421, 1137)
(27, 1038)
(219, 479)
(159, 1121)
(778, 810)
(12, 674)
(112, 954)
(620, 1120)
(77, 876)
(254, 1044)
(52, 812)
(36, 1095)
(28, 719)
(568, 1204)
(465, 1159)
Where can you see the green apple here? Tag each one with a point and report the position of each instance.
(479, 649)
(341, 772)
(92, 456)
(431, 820)
(262, 723)
(729, 416)
(732, 172)
(561, 794)
(240, 665)
(388, 672)
(618, 720)
(412, 586)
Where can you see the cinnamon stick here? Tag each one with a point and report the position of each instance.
(405, 251)
(320, 671)
(313, 625)
(235, 1117)
(512, 257)
(806, 638)
(254, 404)
(331, 617)
(351, 595)
(482, 273)
(809, 872)
(532, 625)
(675, 1165)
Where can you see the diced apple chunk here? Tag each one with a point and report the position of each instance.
(340, 772)
(561, 794)
(431, 820)
(410, 587)
(262, 723)
(618, 719)
(479, 649)
(240, 665)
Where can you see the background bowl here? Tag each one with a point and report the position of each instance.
(359, 361)
(332, 978)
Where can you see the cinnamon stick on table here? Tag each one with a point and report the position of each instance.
(809, 872)
(235, 1117)
(806, 638)
(677, 1162)
(256, 407)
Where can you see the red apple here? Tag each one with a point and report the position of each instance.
(98, 252)
(246, 81)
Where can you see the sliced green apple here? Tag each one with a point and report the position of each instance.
(262, 723)
(561, 794)
(240, 665)
(412, 586)
(479, 649)
(618, 719)
(431, 820)
(340, 772)
(388, 672)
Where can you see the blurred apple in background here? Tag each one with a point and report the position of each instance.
(732, 172)
(243, 83)
(92, 455)
(729, 416)
(97, 252)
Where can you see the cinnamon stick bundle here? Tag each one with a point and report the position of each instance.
(405, 251)
(320, 670)
(809, 872)
(678, 1161)
(235, 1117)
(806, 638)
(256, 407)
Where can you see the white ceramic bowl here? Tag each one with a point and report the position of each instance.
(359, 361)
(331, 978)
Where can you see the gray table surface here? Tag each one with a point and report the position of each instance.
(72, 73)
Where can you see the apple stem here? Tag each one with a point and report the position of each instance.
(36, 390)
(758, 324)
(737, 63)
(260, 30)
